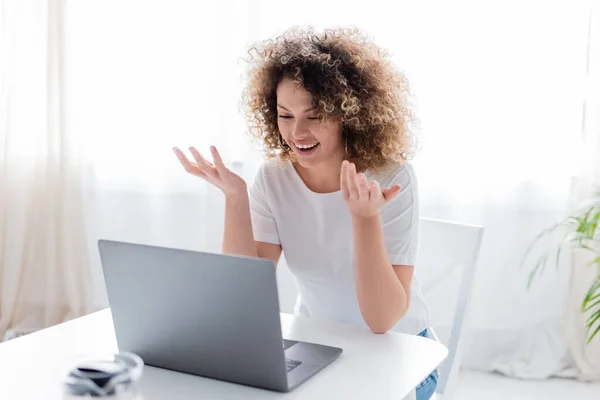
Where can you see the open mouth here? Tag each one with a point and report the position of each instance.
(306, 149)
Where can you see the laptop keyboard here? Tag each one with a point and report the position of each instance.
(291, 364)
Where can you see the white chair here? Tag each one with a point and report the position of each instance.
(447, 253)
(447, 256)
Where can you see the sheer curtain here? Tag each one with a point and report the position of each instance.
(45, 274)
(586, 356)
(497, 87)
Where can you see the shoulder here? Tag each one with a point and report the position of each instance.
(272, 175)
(272, 170)
(404, 208)
(402, 174)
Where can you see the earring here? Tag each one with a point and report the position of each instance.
(282, 142)
(346, 144)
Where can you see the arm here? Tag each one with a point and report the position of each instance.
(238, 237)
(383, 290)
(237, 234)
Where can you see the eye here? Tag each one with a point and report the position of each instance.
(285, 116)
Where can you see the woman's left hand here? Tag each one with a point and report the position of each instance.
(363, 198)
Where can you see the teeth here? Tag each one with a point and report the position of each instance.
(306, 146)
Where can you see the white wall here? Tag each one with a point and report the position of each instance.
(170, 220)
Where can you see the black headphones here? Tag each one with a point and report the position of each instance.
(98, 377)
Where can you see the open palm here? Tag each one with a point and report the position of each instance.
(216, 174)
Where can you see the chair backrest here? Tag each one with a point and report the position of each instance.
(446, 257)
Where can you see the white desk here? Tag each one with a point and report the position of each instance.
(372, 366)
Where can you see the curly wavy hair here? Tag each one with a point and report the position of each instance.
(352, 82)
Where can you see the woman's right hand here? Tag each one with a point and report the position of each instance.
(218, 174)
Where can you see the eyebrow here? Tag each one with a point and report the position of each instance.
(307, 110)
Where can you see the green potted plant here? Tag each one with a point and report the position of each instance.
(576, 232)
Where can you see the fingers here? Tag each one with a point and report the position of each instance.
(352, 182)
(344, 180)
(363, 186)
(221, 168)
(206, 167)
(390, 193)
(375, 189)
(202, 167)
(200, 160)
(353, 185)
(187, 165)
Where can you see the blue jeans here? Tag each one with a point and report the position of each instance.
(426, 388)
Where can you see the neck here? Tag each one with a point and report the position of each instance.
(323, 178)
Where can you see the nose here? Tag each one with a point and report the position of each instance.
(300, 130)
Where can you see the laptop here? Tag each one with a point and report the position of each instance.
(211, 315)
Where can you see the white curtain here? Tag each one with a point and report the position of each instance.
(586, 355)
(497, 85)
(45, 274)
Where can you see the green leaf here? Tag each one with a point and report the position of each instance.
(594, 224)
(594, 261)
(580, 230)
(593, 334)
(592, 319)
(574, 220)
(591, 293)
(535, 241)
(587, 301)
(594, 304)
(538, 269)
(558, 256)
(586, 247)
(531, 276)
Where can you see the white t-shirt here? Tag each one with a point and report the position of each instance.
(315, 233)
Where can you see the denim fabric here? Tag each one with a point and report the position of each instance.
(425, 389)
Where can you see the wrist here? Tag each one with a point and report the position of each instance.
(365, 219)
(237, 196)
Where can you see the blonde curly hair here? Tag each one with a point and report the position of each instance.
(352, 82)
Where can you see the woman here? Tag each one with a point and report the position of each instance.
(338, 197)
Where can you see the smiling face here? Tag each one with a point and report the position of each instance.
(313, 142)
